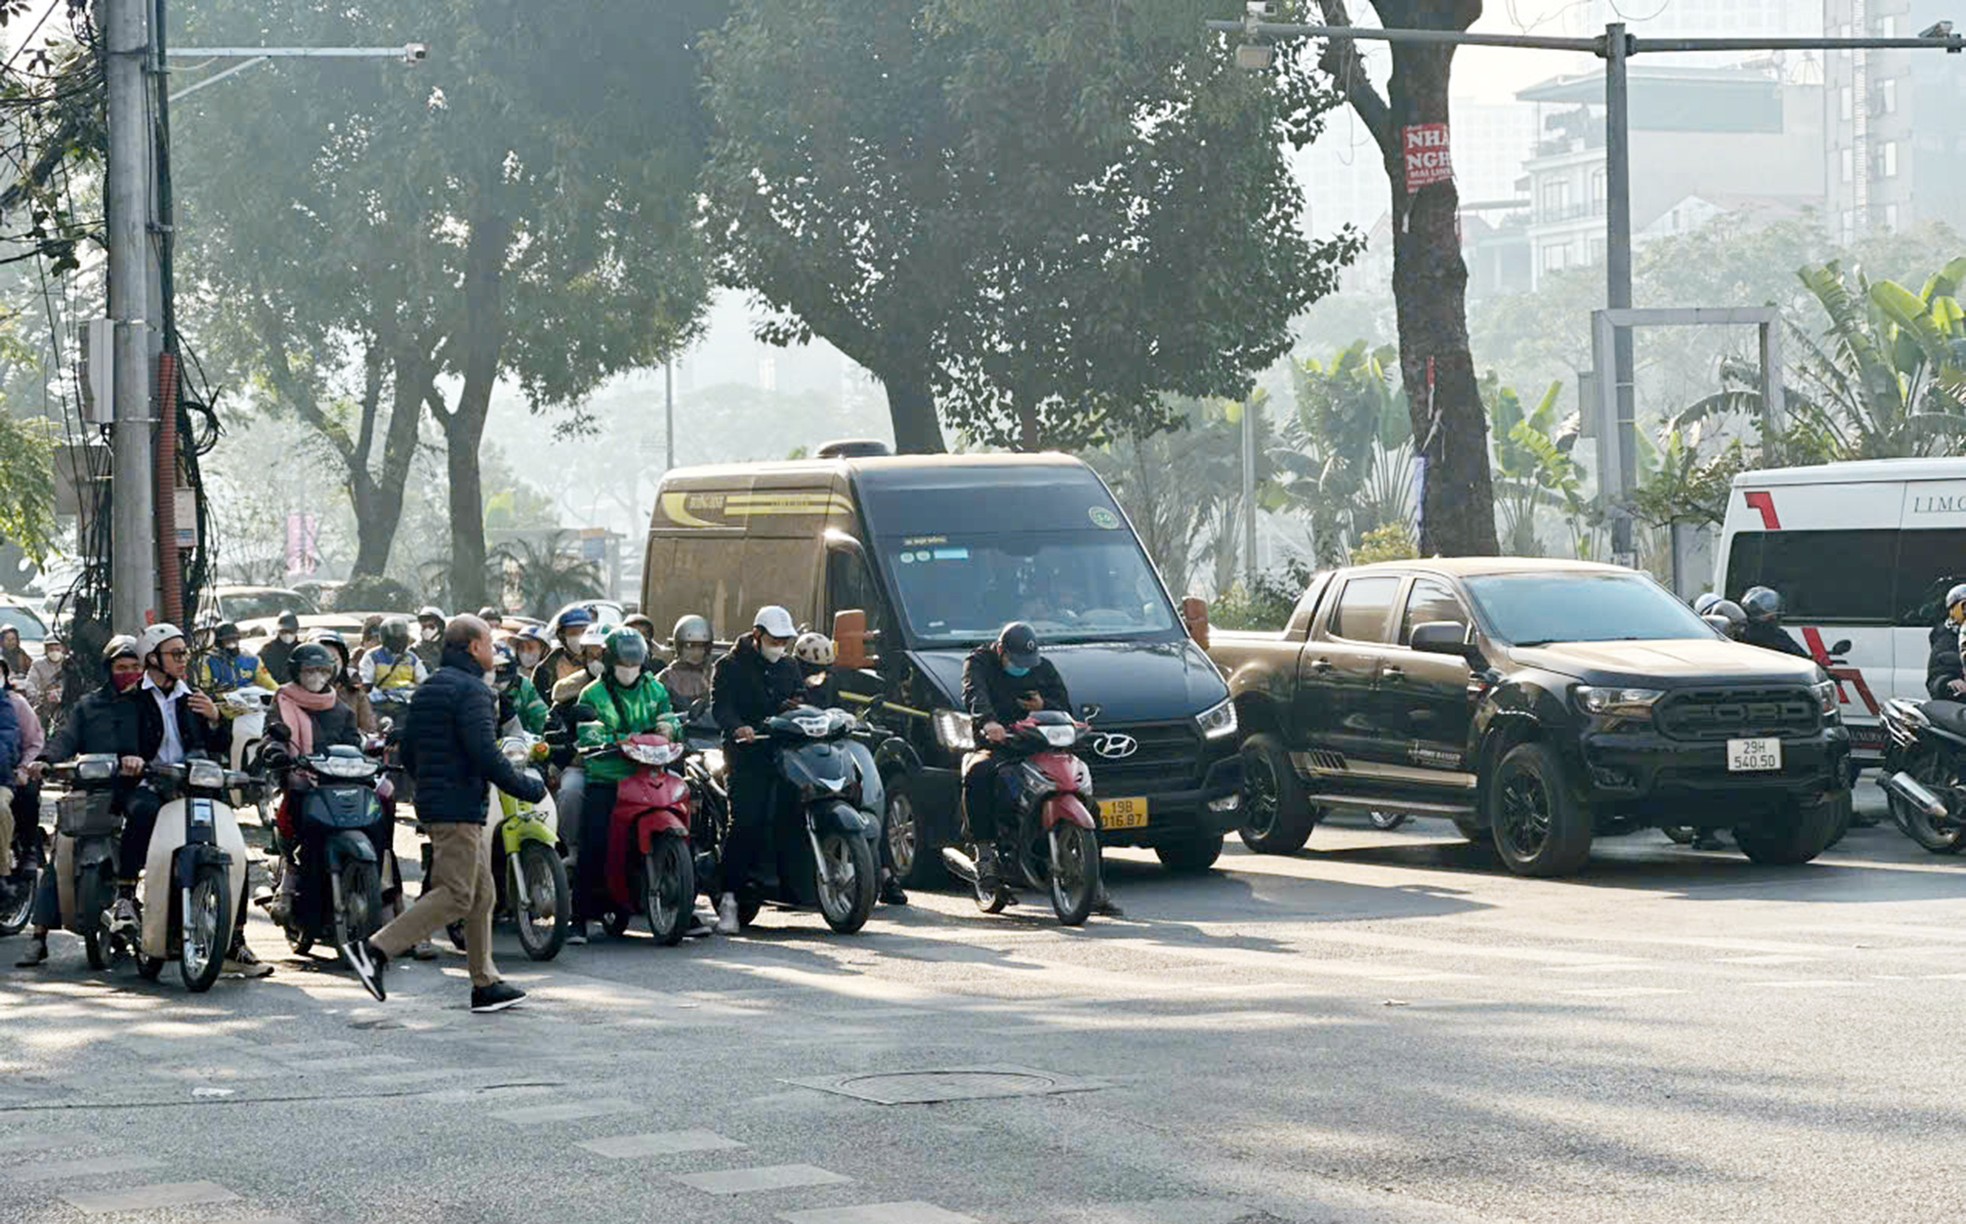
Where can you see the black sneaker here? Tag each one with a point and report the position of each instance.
(368, 962)
(892, 893)
(1106, 907)
(495, 998)
(577, 935)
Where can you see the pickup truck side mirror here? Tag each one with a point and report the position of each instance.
(850, 638)
(1194, 615)
(1447, 638)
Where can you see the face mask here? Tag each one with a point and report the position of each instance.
(693, 655)
(1016, 672)
(594, 668)
(772, 654)
(429, 634)
(229, 649)
(529, 659)
(315, 681)
(56, 656)
(287, 637)
(125, 681)
(625, 675)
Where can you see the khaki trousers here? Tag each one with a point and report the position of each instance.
(460, 887)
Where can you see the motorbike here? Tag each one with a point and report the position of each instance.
(1054, 844)
(651, 859)
(527, 858)
(30, 856)
(246, 709)
(821, 854)
(1924, 774)
(341, 803)
(195, 871)
(85, 853)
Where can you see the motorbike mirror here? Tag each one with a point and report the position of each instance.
(1842, 647)
(850, 638)
(1194, 615)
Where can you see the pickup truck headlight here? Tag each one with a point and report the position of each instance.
(1218, 721)
(1826, 694)
(955, 731)
(1618, 702)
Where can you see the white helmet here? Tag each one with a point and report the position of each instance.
(153, 639)
(775, 621)
(815, 648)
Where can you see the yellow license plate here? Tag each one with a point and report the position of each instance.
(1122, 813)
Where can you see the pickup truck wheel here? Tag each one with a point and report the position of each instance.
(1190, 855)
(1540, 827)
(1799, 833)
(1278, 818)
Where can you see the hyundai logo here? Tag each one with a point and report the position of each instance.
(1116, 747)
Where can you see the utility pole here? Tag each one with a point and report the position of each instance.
(1618, 273)
(133, 543)
(669, 412)
(1249, 492)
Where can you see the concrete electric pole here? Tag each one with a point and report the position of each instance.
(127, 180)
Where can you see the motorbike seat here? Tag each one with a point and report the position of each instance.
(1946, 715)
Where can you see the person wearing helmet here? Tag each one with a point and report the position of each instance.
(577, 646)
(345, 684)
(815, 654)
(274, 655)
(42, 686)
(756, 680)
(688, 675)
(430, 636)
(390, 671)
(624, 701)
(228, 666)
(529, 648)
(1945, 678)
(1703, 604)
(1002, 682)
(1764, 628)
(492, 616)
(518, 700)
(1726, 618)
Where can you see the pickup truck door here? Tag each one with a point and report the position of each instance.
(1338, 676)
(1424, 697)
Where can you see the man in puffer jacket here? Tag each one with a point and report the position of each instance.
(451, 745)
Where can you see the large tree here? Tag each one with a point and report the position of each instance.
(521, 206)
(1430, 279)
(1041, 216)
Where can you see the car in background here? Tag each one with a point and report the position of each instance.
(17, 613)
(243, 603)
(261, 629)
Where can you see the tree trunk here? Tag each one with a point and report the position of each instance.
(464, 428)
(911, 406)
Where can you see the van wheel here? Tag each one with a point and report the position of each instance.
(1799, 833)
(916, 858)
(1190, 855)
(1277, 817)
(1540, 827)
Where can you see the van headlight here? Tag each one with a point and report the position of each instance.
(1618, 702)
(1826, 696)
(955, 730)
(1217, 721)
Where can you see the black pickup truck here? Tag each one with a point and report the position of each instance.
(1536, 703)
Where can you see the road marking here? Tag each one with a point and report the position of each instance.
(151, 1198)
(41, 1143)
(1164, 1211)
(567, 1111)
(764, 1177)
(57, 1170)
(1943, 977)
(1621, 992)
(1765, 960)
(353, 1062)
(1606, 967)
(913, 1212)
(1810, 983)
(659, 1143)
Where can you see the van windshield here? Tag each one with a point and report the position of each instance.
(959, 590)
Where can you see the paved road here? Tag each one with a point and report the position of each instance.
(1383, 1029)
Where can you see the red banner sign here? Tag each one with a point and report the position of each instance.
(1427, 158)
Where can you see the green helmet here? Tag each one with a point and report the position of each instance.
(624, 647)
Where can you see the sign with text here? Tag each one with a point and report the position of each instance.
(1427, 158)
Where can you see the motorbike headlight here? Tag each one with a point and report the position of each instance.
(1218, 721)
(515, 750)
(204, 775)
(1617, 702)
(955, 731)
(1060, 735)
(95, 768)
(1826, 695)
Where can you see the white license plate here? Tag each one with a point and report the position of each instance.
(1754, 755)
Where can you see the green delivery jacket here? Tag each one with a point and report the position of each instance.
(528, 708)
(619, 713)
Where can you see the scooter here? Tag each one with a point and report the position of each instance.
(342, 803)
(527, 858)
(1055, 845)
(1924, 774)
(246, 709)
(651, 861)
(89, 830)
(195, 872)
(825, 859)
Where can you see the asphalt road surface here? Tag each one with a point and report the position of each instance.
(1386, 1028)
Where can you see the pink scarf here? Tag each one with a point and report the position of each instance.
(294, 703)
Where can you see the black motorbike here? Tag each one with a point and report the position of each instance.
(826, 804)
(339, 899)
(88, 817)
(1925, 771)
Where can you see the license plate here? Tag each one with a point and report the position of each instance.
(1123, 813)
(1754, 755)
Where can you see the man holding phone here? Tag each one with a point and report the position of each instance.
(1002, 682)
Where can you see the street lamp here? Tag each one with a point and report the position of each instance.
(410, 53)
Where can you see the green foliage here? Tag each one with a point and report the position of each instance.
(1345, 460)
(27, 484)
(1264, 605)
(1391, 542)
(1042, 217)
(1534, 467)
(547, 573)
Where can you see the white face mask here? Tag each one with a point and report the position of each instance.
(429, 633)
(626, 676)
(56, 656)
(771, 653)
(594, 668)
(529, 659)
(315, 681)
(288, 637)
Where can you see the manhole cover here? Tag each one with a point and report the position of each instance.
(935, 1084)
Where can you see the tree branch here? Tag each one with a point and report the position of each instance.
(297, 396)
(1341, 58)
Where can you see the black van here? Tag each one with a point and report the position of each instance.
(913, 561)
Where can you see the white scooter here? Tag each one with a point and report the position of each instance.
(245, 709)
(194, 876)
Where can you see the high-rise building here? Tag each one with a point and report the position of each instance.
(1699, 18)
(1895, 140)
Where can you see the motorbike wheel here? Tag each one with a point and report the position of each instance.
(1388, 821)
(205, 929)
(845, 880)
(14, 918)
(1936, 772)
(995, 901)
(668, 889)
(1074, 872)
(543, 923)
(355, 919)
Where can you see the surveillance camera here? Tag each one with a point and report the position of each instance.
(1257, 8)
(416, 53)
(1255, 57)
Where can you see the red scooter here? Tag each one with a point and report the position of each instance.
(651, 867)
(1055, 843)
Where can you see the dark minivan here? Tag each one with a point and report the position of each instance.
(913, 561)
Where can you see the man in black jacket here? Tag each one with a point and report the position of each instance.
(450, 743)
(1764, 627)
(756, 680)
(1002, 682)
(1945, 678)
(276, 656)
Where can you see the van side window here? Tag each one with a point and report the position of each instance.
(1429, 601)
(850, 585)
(1839, 577)
(1365, 609)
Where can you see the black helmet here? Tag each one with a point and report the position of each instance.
(1762, 604)
(395, 632)
(289, 621)
(334, 642)
(122, 646)
(309, 655)
(624, 647)
(505, 667)
(224, 632)
(1018, 644)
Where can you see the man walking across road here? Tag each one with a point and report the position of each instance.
(451, 746)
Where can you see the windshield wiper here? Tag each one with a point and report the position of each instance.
(1531, 645)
